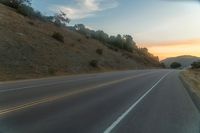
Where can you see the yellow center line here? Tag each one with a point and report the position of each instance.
(53, 98)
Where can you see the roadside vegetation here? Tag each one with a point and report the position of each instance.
(58, 36)
(94, 63)
(192, 77)
(196, 65)
(175, 65)
(33, 45)
(184, 60)
(124, 42)
(24, 8)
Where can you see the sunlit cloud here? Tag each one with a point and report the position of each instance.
(85, 8)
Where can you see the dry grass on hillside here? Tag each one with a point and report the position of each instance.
(193, 78)
(28, 50)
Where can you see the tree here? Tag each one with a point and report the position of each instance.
(175, 65)
(60, 19)
(195, 65)
(129, 44)
(101, 36)
(80, 27)
(27, 10)
(16, 3)
(112, 39)
(119, 42)
(143, 51)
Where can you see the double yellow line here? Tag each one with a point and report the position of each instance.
(54, 98)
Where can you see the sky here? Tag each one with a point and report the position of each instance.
(167, 28)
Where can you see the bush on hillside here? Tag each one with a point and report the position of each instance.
(99, 51)
(58, 36)
(122, 42)
(51, 71)
(175, 65)
(116, 43)
(93, 63)
(195, 65)
(31, 23)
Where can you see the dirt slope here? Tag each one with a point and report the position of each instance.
(27, 50)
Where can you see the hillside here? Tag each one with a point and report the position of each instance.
(27, 50)
(185, 60)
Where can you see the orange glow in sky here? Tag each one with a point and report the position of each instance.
(175, 48)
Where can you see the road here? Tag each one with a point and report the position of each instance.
(137, 101)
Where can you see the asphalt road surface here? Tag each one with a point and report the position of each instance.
(142, 101)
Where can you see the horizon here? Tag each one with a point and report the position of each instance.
(167, 28)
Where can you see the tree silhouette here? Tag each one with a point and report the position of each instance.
(60, 19)
(175, 65)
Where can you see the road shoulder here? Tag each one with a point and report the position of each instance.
(187, 78)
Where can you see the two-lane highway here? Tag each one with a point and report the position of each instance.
(143, 101)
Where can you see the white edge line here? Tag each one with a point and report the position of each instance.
(120, 118)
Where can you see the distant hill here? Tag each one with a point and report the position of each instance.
(28, 50)
(185, 60)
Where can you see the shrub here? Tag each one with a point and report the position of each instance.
(94, 63)
(51, 71)
(31, 23)
(79, 40)
(175, 65)
(195, 65)
(99, 51)
(59, 37)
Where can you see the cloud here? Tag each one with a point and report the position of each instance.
(85, 8)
